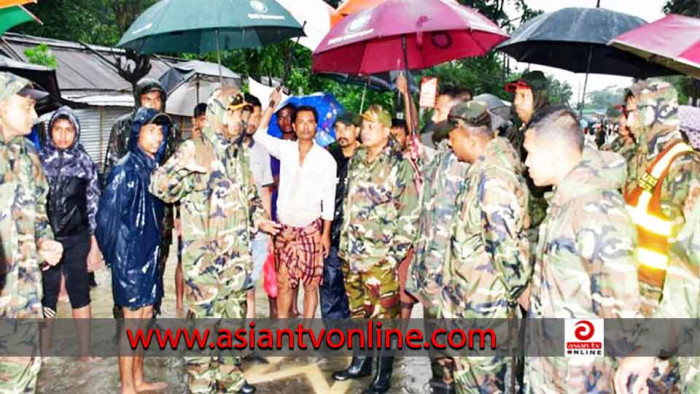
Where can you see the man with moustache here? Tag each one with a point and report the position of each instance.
(334, 300)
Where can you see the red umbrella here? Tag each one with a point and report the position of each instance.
(405, 34)
(673, 41)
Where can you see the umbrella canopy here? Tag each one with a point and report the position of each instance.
(193, 27)
(405, 34)
(315, 16)
(349, 7)
(673, 41)
(565, 38)
(188, 84)
(328, 109)
(13, 16)
(43, 76)
(11, 3)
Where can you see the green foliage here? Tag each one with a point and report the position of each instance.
(99, 22)
(41, 55)
(605, 98)
(683, 7)
(108, 19)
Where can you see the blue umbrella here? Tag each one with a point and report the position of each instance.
(328, 109)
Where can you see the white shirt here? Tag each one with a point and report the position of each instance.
(260, 166)
(306, 192)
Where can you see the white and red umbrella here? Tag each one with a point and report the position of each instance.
(673, 41)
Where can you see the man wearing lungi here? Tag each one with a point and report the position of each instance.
(305, 207)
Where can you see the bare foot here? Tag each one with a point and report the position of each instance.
(157, 386)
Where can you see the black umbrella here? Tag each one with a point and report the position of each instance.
(576, 39)
(43, 76)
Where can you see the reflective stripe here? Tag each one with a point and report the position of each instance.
(652, 259)
(665, 161)
(651, 223)
(639, 213)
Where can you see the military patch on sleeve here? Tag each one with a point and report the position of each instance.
(692, 199)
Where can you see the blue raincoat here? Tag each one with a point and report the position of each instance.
(129, 223)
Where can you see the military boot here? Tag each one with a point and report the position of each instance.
(360, 366)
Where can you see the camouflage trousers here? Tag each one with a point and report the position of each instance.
(481, 374)
(19, 374)
(373, 294)
(690, 372)
(441, 366)
(214, 292)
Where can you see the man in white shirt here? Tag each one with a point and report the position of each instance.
(305, 207)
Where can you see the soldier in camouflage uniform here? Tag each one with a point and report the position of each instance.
(380, 221)
(220, 209)
(584, 260)
(653, 119)
(25, 233)
(487, 268)
(652, 107)
(444, 180)
(681, 299)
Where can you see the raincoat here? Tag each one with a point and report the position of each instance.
(129, 223)
(584, 269)
(74, 191)
(121, 130)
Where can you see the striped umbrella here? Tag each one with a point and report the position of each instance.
(13, 16)
(12, 3)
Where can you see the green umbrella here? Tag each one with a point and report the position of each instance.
(209, 25)
(13, 16)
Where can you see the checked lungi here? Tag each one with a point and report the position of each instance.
(299, 256)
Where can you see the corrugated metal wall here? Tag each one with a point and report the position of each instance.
(96, 125)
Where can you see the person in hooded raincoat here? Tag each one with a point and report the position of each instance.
(667, 168)
(73, 199)
(149, 94)
(220, 212)
(128, 231)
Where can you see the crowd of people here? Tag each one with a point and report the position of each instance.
(489, 215)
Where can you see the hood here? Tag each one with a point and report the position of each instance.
(145, 85)
(598, 170)
(63, 113)
(657, 119)
(145, 116)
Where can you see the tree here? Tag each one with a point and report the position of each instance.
(683, 7)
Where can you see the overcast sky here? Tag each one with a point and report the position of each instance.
(649, 10)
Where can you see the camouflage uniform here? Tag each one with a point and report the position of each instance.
(379, 225)
(443, 182)
(488, 267)
(681, 294)
(23, 224)
(655, 129)
(218, 211)
(584, 269)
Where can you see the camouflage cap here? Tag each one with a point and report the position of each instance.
(474, 113)
(534, 80)
(348, 119)
(11, 84)
(377, 113)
